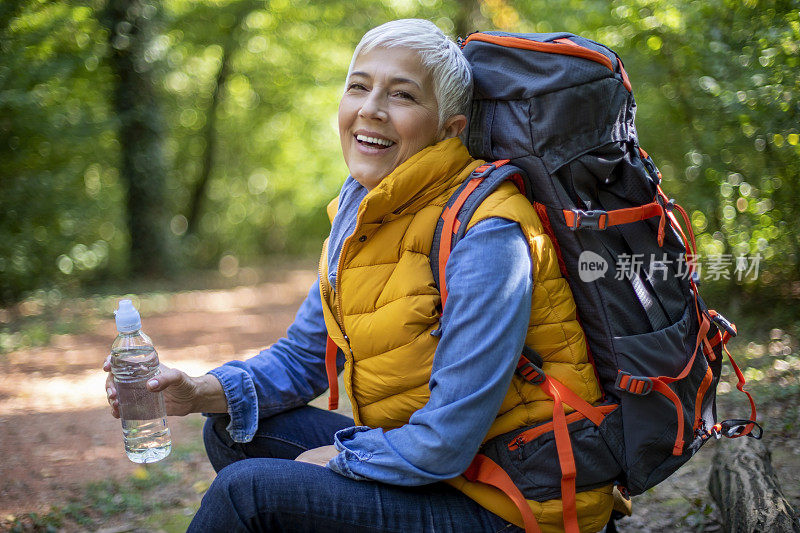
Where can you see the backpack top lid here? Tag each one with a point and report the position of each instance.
(552, 95)
(505, 69)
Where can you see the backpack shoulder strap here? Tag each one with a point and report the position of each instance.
(452, 225)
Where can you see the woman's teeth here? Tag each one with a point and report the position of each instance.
(374, 140)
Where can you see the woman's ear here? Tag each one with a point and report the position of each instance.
(453, 127)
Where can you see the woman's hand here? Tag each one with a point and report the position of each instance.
(182, 394)
(318, 456)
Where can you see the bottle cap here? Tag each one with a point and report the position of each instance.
(127, 317)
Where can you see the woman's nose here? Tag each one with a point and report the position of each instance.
(373, 107)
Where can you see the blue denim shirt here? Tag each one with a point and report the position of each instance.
(483, 329)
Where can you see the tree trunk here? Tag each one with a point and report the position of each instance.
(140, 134)
(197, 200)
(746, 490)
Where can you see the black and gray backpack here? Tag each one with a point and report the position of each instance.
(555, 112)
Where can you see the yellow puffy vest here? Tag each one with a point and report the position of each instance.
(385, 305)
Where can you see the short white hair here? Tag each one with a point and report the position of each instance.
(452, 75)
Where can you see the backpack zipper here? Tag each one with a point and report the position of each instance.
(701, 393)
(537, 431)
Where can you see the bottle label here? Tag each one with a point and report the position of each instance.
(136, 402)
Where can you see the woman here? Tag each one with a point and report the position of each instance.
(428, 386)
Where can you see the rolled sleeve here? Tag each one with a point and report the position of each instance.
(240, 393)
(288, 374)
(340, 462)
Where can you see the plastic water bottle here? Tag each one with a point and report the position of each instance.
(134, 361)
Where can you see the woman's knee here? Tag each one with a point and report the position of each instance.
(228, 504)
(233, 481)
(219, 446)
(244, 496)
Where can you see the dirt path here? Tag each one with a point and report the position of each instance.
(56, 433)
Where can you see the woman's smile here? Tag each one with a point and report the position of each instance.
(373, 141)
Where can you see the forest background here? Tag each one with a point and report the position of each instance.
(143, 139)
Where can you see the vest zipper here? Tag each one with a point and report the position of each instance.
(337, 293)
(416, 198)
(338, 288)
(323, 287)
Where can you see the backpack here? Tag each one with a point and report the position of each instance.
(555, 112)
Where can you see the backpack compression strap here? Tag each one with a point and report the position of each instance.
(484, 470)
(598, 219)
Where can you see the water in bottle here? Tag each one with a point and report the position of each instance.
(134, 361)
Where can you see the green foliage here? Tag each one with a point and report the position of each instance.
(730, 92)
(716, 83)
(58, 216)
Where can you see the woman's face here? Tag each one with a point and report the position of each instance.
(388, 113)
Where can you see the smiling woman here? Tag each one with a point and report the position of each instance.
(428, 386)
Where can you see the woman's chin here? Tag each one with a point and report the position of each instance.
(368, 180)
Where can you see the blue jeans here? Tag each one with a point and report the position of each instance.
(260, 488)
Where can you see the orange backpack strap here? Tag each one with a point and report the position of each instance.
(449, 217)
(530, 368)
(460, 208)
(330, 369)
(565, 457)
(484, 470)
(561, 394)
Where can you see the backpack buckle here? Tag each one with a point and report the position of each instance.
(593, 219)
(486, 168)
(731, 429)
(724, 323)
(639, 385)
(736, 427)
(531, 373)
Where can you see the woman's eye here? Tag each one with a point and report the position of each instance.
(404, 95)
(356, 87)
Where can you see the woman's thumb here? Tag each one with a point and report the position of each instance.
(167, 377)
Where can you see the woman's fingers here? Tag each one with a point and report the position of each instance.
(179, 390)
(113, 401)
(111, 389)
